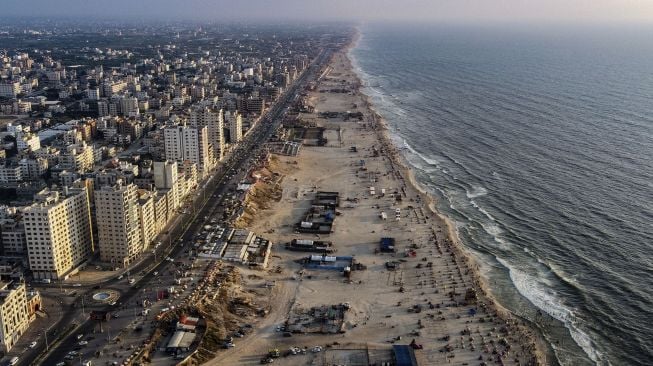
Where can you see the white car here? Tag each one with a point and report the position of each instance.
(77, 285)
(32, 345)
(83, 343)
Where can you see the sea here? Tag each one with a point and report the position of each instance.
(537, 143)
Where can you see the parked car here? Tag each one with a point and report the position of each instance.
(32, 345)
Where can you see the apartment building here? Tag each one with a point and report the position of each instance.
(146, 219)
(9, 89)
(118, 223)
(213, 119)
(78, 158)
(58, 232)
(183, 142)
(14, 242)
(235, 123)
(14, 314)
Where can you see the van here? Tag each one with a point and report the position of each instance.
(13, 361)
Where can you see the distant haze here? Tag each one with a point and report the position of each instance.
(421, 10)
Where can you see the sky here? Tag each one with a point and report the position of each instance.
(584, 11)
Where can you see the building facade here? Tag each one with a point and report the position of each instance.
(187, 143)
(213, 119)
(14, 314)
(118, 224)
(58, 232)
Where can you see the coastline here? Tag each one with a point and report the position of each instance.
(542, 349)
(425, 291)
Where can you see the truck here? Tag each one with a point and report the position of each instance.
(383, 215)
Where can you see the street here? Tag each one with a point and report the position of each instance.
(180, 233)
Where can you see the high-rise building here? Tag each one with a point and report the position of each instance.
(58, 232)
(160, 210)
(9, 89)
(118, 222)
(165, 174)
(146, 219)
(166, 177)
(14, 314)
(93, 93)
(129, 106)
(102, 108)
(235, 122)
(187, 143)
(212, 118)
(255, 105)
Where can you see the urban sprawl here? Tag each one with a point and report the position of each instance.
(223, 195)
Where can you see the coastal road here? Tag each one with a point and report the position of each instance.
(188, 224)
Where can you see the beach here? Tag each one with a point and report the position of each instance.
(428, 289)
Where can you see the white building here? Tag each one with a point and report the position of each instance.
(33, 168)
(235, 122)
(165, 174)
(27, 141)
(146, 217)
(129, 107)
(118, 222)
(187, 143)
(58, 232)
(213, 119)
(166, 177)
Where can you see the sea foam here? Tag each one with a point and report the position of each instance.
(540, 294)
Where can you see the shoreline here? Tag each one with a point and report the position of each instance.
(542, 348)
(425, 288)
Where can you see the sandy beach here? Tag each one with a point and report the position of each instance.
(434, 296)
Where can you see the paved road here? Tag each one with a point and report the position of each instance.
(188, 224)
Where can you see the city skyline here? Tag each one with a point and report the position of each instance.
(511, 11)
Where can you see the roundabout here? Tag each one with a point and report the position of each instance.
(106, 296)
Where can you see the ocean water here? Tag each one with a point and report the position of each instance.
(538, 143)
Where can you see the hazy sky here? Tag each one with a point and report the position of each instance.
(424, 10)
